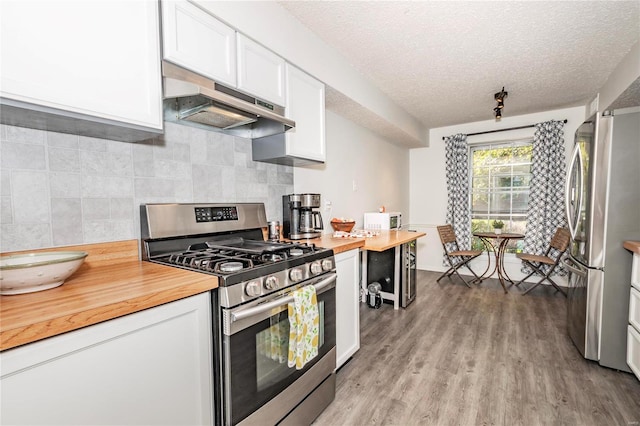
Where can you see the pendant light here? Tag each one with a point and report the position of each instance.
(499, 97)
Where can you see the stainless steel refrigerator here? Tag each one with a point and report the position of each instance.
(603, 210)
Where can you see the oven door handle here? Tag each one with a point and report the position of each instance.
(321, 286)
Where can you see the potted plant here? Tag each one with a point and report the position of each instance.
(497, 226)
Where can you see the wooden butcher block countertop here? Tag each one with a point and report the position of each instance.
(382, 242)
(633, 246)
(111, 282)
(389, 239)
(338, 245)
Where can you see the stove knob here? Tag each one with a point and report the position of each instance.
(253, 288)
(316, 268)
(327, 264)
(271, 283)
(295, 274)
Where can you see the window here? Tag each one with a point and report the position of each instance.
(500, 179)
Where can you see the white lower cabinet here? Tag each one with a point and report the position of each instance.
(633, 331)
(347, 305)
(633, 350)
(148, 368)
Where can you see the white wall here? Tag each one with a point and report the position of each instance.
(428, 190)
(354, 154)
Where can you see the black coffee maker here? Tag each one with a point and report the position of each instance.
(299, 219)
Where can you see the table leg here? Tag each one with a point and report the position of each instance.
(500, 262)
(487, 243)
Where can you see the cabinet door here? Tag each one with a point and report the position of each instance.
(633, 350)
(305, 106)
(196, 40)
(99, 58)
(347, 305)
(148, 368)
(260, 71)
(635, 271)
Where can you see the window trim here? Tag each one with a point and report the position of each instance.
(490, 145)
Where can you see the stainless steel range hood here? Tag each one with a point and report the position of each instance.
(193, 99)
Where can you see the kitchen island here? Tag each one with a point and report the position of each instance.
(386, 240)
(394, 239)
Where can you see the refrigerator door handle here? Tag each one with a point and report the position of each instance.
(569, 197)
(571, 268)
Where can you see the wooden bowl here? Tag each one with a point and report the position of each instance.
(343, 226)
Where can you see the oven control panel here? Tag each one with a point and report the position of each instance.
(216, 214)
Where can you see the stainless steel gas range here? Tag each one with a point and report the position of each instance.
(253, 383)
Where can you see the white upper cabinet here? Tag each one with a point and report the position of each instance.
(196, 40)
(260, 71)
(305, 106)
(89, 58)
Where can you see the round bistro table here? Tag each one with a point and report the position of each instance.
(498, 243)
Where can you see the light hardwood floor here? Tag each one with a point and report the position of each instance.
(460, 356)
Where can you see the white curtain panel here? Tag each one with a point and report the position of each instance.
(458, 211)
(546, 210)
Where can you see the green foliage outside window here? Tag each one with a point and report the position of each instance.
(500, 179)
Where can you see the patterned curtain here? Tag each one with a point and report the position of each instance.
(458, 212)
(546, 210)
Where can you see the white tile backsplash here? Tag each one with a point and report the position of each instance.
(22, 156)
(26, 136)
(59, 189)
(30, 196)
(96, 209)
(66, 217)
(63, 159)
(25, 236)
(65, 185)
(6, 211)
(62, 140)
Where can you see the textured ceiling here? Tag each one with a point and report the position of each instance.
(442, 61)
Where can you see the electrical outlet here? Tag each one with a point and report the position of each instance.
(355, 185)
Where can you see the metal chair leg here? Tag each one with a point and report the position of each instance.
(447, 272)
(521, 281)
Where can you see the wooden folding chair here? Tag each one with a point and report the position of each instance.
(457, 258)
(551, 258)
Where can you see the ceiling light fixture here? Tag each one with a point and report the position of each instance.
(499, 97)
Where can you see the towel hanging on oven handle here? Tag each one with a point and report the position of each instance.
(264, 307)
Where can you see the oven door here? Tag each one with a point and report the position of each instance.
(255, 348)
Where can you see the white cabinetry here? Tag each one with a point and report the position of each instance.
(196, 40)
(305, 106)
(633, 331)
(260, 71)
(98, 60)
(347, 305)
(304, 144)
(151, 367)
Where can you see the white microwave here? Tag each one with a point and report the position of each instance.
(387, 220)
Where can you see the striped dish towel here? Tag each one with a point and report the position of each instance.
(304, 328)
